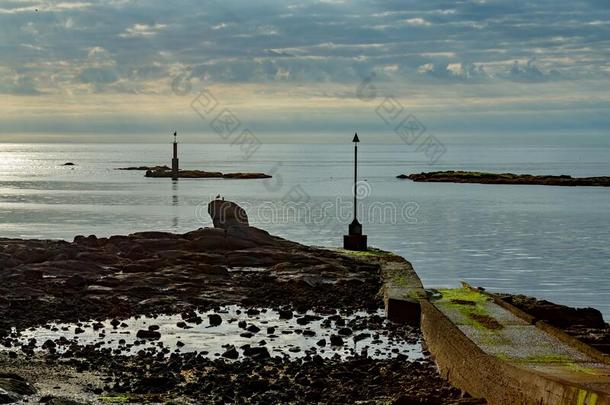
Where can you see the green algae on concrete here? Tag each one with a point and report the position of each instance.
(542, 359)
(370, 252)
(471, 304)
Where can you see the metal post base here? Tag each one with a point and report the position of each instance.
(355, 242)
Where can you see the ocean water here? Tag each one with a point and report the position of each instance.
(550, 242)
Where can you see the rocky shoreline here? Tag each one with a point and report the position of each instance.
(96, 285)
(149, 274)
(505, 178)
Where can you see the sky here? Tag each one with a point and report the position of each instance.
(302, 71)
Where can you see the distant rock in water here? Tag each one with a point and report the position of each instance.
(68, 164)
(144, 168)
(183, 174)
(246, 176)
(166, 172)
(227, 214)
(506, 178)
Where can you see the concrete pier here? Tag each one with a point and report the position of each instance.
(488, 351)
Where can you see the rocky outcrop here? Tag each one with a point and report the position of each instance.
(13, 388)
(166, 172)
(156, 272)
(144, 168)
(227, 214)
(506, 178)
(245, 176)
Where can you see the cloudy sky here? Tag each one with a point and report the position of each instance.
(302, 70)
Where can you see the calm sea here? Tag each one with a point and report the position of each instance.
(551, 242)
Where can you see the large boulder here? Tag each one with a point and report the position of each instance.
(227, 214)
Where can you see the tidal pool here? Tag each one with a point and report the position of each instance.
(214, 333)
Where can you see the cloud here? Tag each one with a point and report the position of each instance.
(458, 71)
(529, 72)
(96, 75)
(143, 30)
(43, 7)
(417, 21)
(426, 49)
(25, 85)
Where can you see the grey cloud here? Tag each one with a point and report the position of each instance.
(95, 75)
(235, 40)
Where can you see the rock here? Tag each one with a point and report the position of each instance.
(336, 340)
(309, 333)
(345, 331)
(260, 352)
(361, 336)
(148, 334)
(214, 319)
(68, 164)
(253, 329)
(285, 314)
(451, 176)
(8, 397)
(231, 353)
(13, 383)
(144, 168)
(227, 214)
(321, 342)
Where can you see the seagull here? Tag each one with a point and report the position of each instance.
(218, 197)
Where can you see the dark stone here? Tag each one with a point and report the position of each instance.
(336, 340)
(253, 329)
(344, 331)
(14, 383)
(148, 334)
(214, 319)
(231, 353)
(260, 352)
(361, 336)
(227, 214)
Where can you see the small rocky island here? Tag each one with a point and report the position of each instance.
(166, 172)
(175, 173)
(451, 176)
